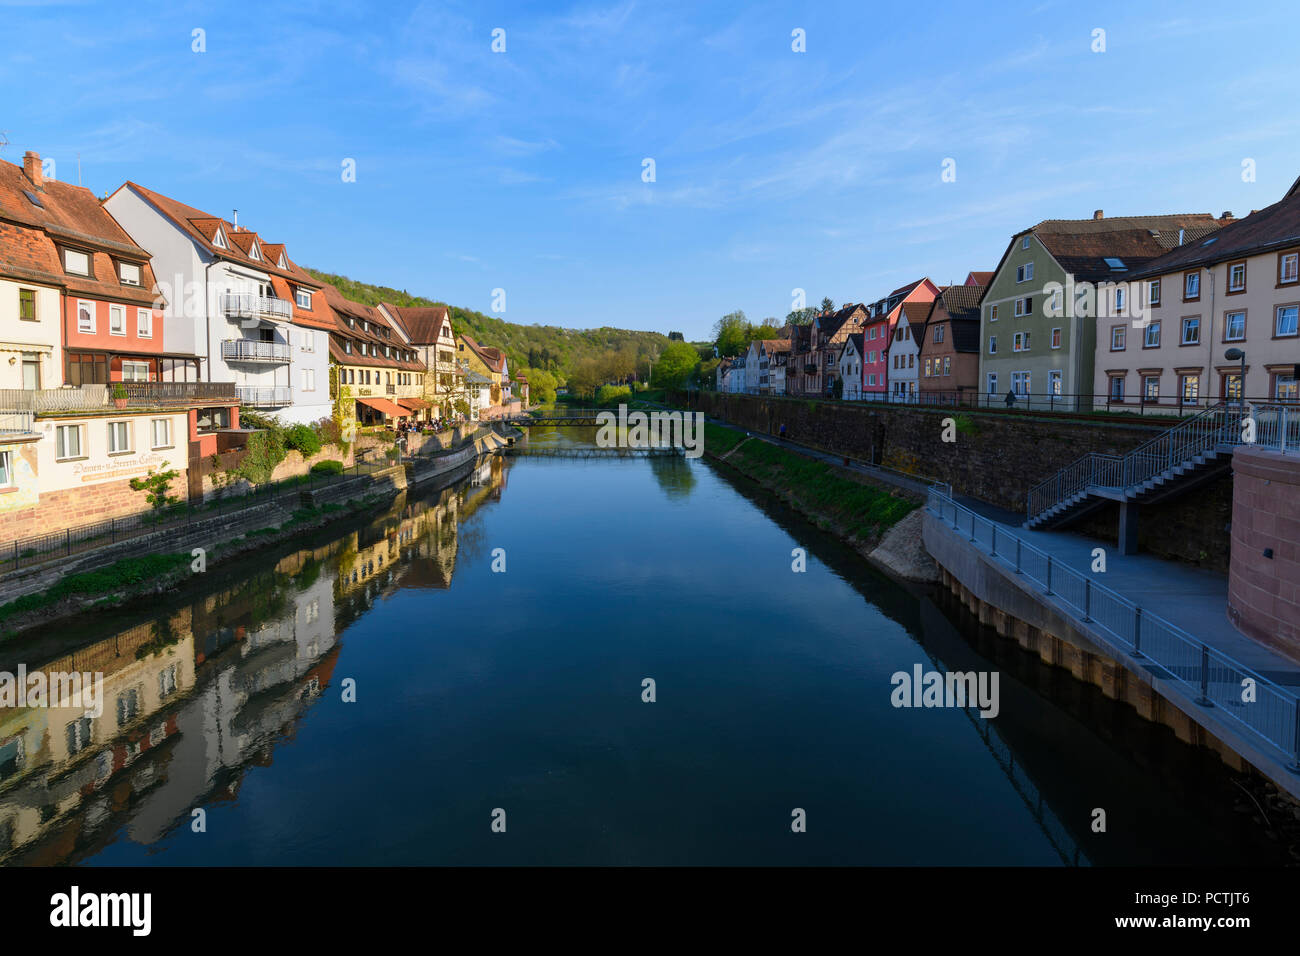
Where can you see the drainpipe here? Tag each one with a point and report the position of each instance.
(207, 315)
(1211, 374)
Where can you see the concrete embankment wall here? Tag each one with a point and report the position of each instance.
(997, 457)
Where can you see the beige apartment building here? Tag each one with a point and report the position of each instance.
(1238, 288)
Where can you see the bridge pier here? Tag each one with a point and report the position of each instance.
(1128, 527)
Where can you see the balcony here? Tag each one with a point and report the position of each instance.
(180, 393)
(249, 306)
(17, 423)
(264, 397)
(248, 350)
(391, 389)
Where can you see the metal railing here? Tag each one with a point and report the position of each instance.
(54, 399)
(17, 423)
(178, 393)
(1275, 426)
(248, 305)
(248, 350)
(264, 396)
(1213, 678)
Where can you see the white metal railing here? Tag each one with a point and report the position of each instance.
(17, 422)
(65, 399)
(248, 305)
(248, 350)
(1214, 678)
(264, 396)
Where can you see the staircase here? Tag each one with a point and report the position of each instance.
(1187, 454)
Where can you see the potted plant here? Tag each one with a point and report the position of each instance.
(120, 396)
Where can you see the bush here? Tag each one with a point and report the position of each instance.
(264, 451)
(328, 467)
(612, 394)
(302, 439)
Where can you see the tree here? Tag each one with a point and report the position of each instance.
(676, 337)
(541, 385)
(764, 331)
(676, 362)
(801, 316)
(828, 305)
(731, 334)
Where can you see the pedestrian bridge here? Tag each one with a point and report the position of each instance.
(523, 451)
(556, 416)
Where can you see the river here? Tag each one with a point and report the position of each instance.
(378, 693)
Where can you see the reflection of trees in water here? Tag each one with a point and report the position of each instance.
(674, 475)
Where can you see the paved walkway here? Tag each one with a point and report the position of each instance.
(1192, 598)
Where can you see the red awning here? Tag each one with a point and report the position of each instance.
(388, 408)
(415, 404)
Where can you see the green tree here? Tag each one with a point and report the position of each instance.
(675, 364)
(731, 334)
(828, 305)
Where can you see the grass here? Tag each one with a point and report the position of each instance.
(127, 574)
(856, 509)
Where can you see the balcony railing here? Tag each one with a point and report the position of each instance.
(391, 389)
(17, 423)
(264, 397)
(240, 305)
(179, 393)
(247, 350)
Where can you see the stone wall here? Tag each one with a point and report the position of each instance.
(68, 508)
(1264, 577)
(996, 457)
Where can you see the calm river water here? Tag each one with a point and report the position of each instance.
(478, 690)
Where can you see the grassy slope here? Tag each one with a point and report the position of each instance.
(568, 345)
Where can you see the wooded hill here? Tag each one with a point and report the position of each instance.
(526, 346)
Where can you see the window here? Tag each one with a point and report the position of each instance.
(167, 682)
(129, 273)
(928, 371)
(161, 430)
(1189, 387)
(1191, 286)
(1153, 292)
(309, 380)
(303, 298)
(1020, 342)
(1232, 386)
(1285, 323)
(947, 365)
(1237, 277)
(219, 240)
(27, 305)
(77, 263)
(1025, 273)
(1288, 267)
(119, 437)
(116, 320)
(85, 316)
(1151, 336)
(993, 345)
(144, 323)
(128, 706)
(1024, 306)
(135, 371)
(1286, 388)
(1151, 388)
(1020, 383)
(993, 383)
(1024, 243)
(1234, 326)
(307, 341)
(347, 347)
(911, 360)
(1118, 338)
(871, 379)
(78, 735)
(6, 469)
(1192, 331)
(1054, 382)
(1117, 388)
(993, 313)
(938, 333)
(1056, 338)
(1119, 300)
(67, 439)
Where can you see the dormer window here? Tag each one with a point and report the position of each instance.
(303, 298)
(255, 253)
(219, 240)
(347, 346)
(283, 263)
(352, 323)
(129, 273)
(76, 263)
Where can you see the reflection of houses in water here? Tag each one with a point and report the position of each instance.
(192, 700)
(173, 730)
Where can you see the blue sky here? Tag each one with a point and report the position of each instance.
(775, 170)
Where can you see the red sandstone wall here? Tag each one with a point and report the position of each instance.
(58, 510)
(1264, 593)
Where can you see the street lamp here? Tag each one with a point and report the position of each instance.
(1233, 355)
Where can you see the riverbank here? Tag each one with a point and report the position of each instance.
(133, 570)
(882, 524)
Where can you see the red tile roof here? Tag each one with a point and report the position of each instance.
(422, 324)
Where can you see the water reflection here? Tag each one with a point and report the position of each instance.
(194, 698)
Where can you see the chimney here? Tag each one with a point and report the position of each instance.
(235, 222)
(1180, 236)
(32, 167)
(1098, 215)
(1227, 215)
